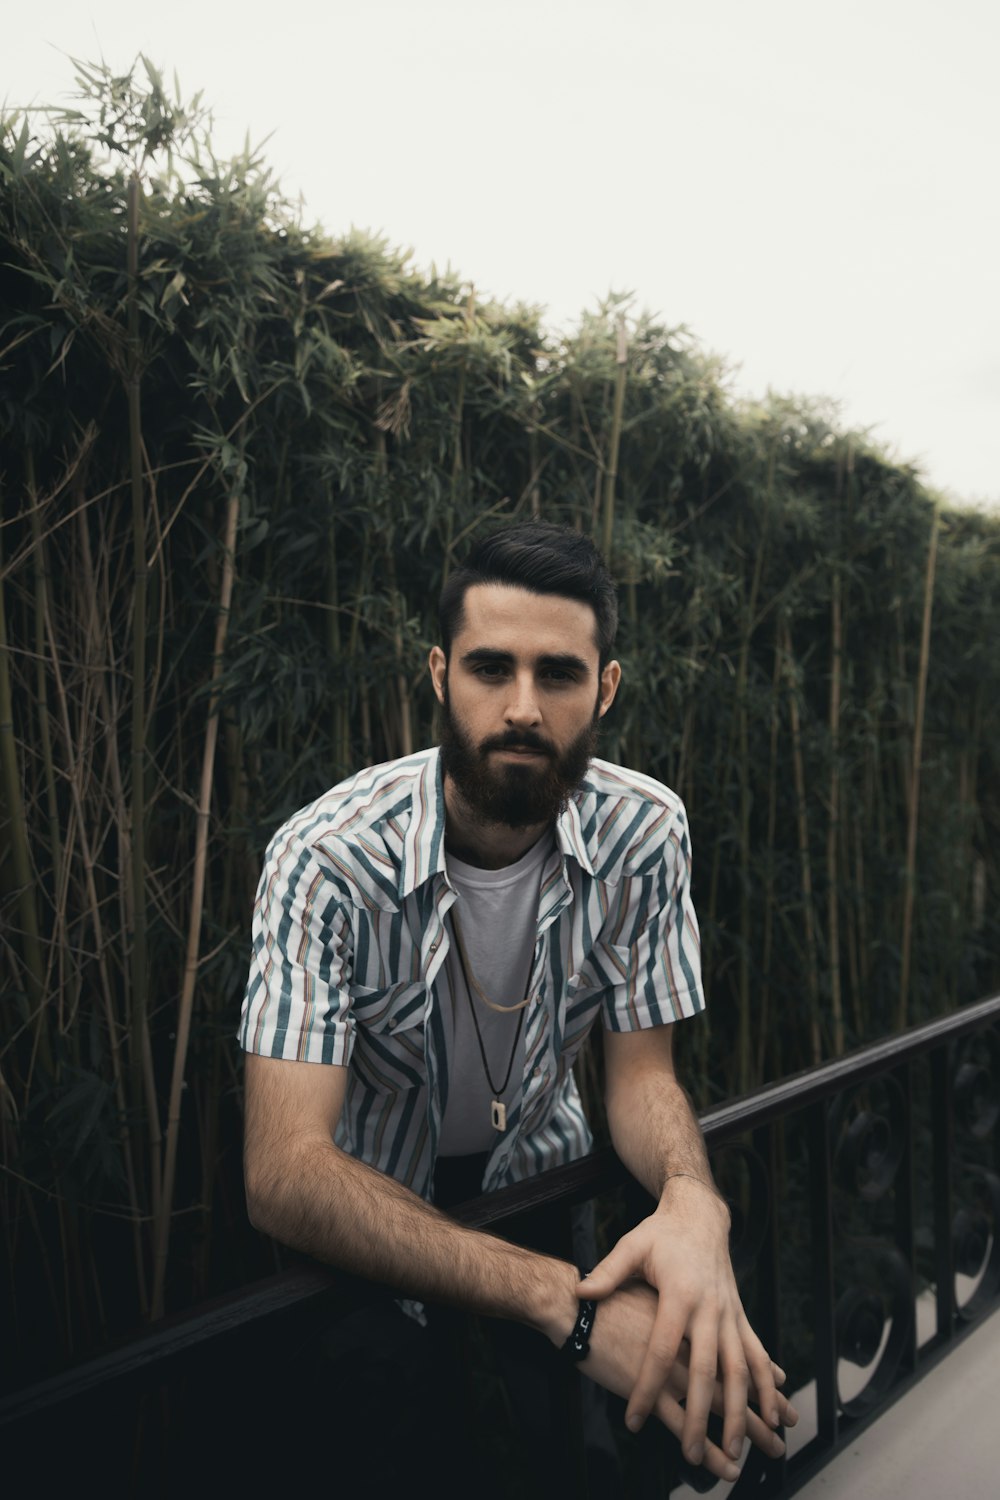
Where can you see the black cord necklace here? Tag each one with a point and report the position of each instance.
(498, 1110)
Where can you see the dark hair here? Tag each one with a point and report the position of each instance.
(540, 557)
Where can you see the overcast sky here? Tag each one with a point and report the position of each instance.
(811, 189)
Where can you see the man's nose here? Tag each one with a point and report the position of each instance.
(522, 703)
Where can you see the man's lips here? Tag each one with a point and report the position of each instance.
(529, 752)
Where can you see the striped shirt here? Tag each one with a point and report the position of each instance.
(350, 941)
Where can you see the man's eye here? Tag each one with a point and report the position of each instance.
(491, 670)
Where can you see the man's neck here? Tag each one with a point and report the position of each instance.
(491, 846)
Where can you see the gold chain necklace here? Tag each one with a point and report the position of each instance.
(470, 979)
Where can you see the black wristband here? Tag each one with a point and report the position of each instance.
(577, 1346)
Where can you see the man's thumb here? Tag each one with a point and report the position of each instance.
(603, 1279)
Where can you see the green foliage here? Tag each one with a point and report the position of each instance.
(369, 421)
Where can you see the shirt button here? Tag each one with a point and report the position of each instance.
(536, 1072)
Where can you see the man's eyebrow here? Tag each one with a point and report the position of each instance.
(563, 661)
(489, 654)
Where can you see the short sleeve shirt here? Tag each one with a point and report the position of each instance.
(349, 937)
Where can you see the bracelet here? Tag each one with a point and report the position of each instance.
(711, 1188)
(577, 1346)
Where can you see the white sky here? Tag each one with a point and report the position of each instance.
(810, 188)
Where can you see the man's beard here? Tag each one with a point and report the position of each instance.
(518, 796)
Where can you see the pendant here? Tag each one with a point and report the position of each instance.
(498, 1115)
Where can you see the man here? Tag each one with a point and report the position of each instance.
(433, 940)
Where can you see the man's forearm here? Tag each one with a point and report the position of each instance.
(336, 1208)
(656, 1133)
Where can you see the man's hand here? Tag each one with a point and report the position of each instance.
(623, 1327)
(682, 1252)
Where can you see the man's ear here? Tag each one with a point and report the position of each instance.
(438, 664)
(611, 676)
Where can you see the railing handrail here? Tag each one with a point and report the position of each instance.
(183, 1333)
(827, 1078)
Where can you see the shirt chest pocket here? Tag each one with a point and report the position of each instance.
(389, 1035)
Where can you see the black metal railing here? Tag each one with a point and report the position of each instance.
(866, 1202)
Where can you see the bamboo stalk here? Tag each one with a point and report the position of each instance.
(833, 818)
(685, 778)
(403, 705)
(209, 1099)
(855, 897)
(334, 646)
(595, 509)
(100, 657)
(975, 869)
(111, 1021)
(534, 495)
(742, 678)
(726, 739)
(55, 1301)
(41, 578)
(744, 1043)
(457, 417)
(20, 856)
(805, 864)
(367, 745)
(764, 1026)
(874, 809)
(845, 468)
(910, 874)
(634, 739)
(905, 762)
(611, 472)
(66, 978)
(352, 655)
(185, 1007)
(137, 820)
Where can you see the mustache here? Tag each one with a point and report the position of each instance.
(518, 739)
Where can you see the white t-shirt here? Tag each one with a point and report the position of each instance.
(498, 915)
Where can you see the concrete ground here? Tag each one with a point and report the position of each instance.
(939, 1442)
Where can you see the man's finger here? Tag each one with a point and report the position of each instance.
(735, 1381)
(617, 1266)
(787, 1414)
(702, 1366)
(762, 1437)
(757, 1430)
(671, 1414)
(761, 1373)
(661, 1352)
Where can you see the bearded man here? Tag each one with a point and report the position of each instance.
(433, 940)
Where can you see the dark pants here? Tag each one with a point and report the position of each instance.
(469, 1406)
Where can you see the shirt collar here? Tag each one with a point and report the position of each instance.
(569, 834)
(423, 846)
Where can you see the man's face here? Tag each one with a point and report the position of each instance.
(523, 694)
